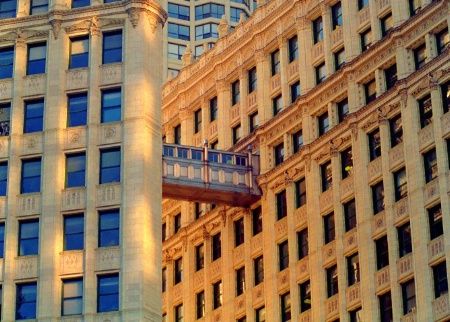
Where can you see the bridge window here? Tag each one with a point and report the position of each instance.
(227, 158)
(197, 154)
(169, 151)
(213, 157)
(241, 160)
(183, 153)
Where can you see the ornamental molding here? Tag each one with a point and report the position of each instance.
(26, 34)
(134, 15)
(56, 27)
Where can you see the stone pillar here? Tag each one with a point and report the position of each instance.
(326, 18)
(223, 119)
(304, 57)
(403, 55)
(400, 11)
(380, 81)
(350, 22)
(263, 71)
(431, 48)
(243, 105)
(284, 53)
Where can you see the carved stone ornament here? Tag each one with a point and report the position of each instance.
(8, 37)
(94, 29)
(134, 15)
(404, 98)
(56, 27)
(31, 33)
(223, 215)
(184, 114)
(432, 82)
(82, 26)
(307, 158)
(382, 119)
(153, 21)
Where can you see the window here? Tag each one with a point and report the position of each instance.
(302, 240)
(31, 176)
(356, 315)
(178, 31)
(370, 89)
(2, 244)
(297, 140)
(283, 255)
(362, 4)
(217, 295)
(259, 270)
(430, 165)
(26, 296)
(366, 40)
(235, 14)
(445, 89)
(164, 231)
(387, 23)
(209, 10)
(414, 7)
(378, 197)
(239, 232)
(108, 293)
(353, 269)
(178, 12)
(281, 205)
(178, 270)
(3, 178)
(442, 40)
(275, 62)
(8, 9)
(277, 105)
(343, 110)
(254, 121)
(293, 48)
(237, 133)
(72, 303)
(420, 56)
(235, 92)
(198, 51)
(213, 110)
(206, 31)
(240, 281)
(321, 73)
(176, 223)
(425, 111)
(111, 105)
(108, 228)
(329, 228)
(390, 74)
(305, 296)
(285, 300)
(317, 30)
(324, 123)
(435, 221)
(177, 134)
(80, 3)
(110, 165)
(28, 237)
(260, 314)
(199, 257)
(36, 59)
(175, 51)
(112, 47)
(197, 121)
(216, 246)
(382, 250)
(326, 173)
(179, 313)
(34, 116)
(440, 279)
(409, 296)
(77, 109)
(75, 170)
(300, 192)
(6, 59)
(164, 279)
(332, 281)
(279, 153)
(339, 59)
(257, 220)
(396, 129)
(350, 215)
(74, 232)
(200, 304)
(295, 91)
(404, 240)
(385, 307)
(252, 80)
(374, 144)
(400, 184)
(347, 162)
(336, 14)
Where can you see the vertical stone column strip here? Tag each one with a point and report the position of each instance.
(243, 105)
(350, 22)
(326, 18)
(284, 53)
(223, 119)
(263, 71)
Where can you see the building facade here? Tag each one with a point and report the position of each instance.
(347, 105)
(80, 146)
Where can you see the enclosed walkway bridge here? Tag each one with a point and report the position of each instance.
(212, 176)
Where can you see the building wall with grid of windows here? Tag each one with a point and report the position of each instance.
(347, 104)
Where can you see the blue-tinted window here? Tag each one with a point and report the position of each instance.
(293, 48)
(38, 7)
(5, 110)
(31, 176)
(209, 10)
(6, 61)
(36, 59)
(26, 295)
(317, 30)
(79, 52)
(111, 105)
(112, 47)
(179, 31)
(235, 14)
(74, 232)
(80, 3)
(77, 109)
(108, 1)
(110, 165)
(108, 232)
(179, 12)
(72, 297)
(206, 31)
(75, 170)
(8, 9)
(3, 178)
(28, 237)
(2, 239)
(34, 116)
(175, 51)
(108, 293)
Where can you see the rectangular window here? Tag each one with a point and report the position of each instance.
(3, 178)
(235, 92)
(178, 31)
(176, 223)
(430, 165)
(216, 246)
(336, 15)
(285, 300)
(34, 116)
(293, 48)
(305, 296)
(235, 14)
(275, 62)
(326, 173)
(213, 109)
(200, 304)
(442, 40)
(353, 269)
(259, 270)
(77, 109)
(347, 162)
(362, 4)
(350, 215)
(374, 144)
(297, 140)
(31, 176)
(390, 74)
(257, 220)
(387, 23)
(80, 3)
(252, 80)
(164, 279)
(343, 110)
(175, 51)
(179, 313)
(378, 197)
(283, 255)
(177, 134)
(108, 293)
(420, 56)
(321, 73)
(300, 192)
(217, 295)
(329, 228)
(197, 121)
(445, 90)
(396, 129)
(385, 307)
(199, 257)
(409, 296)
(400, 184)
(8, 9)
(6, 60)
(323, 123)
(260, 314)
(425, 111)
(109, 228)
(237, 133)
(178, 12)
(302, 240)
(254, 121)
(206, 31)
(239, 232)
(198, 51)
(26, 297)
(75, 170)
(110, 165)
(112, 47)
(111, 105)
(277, 104)
(440, 280)
(178, 270)
(198, 209)
(164, 231)
(332, 281)
(414, 7)
(36, 58)
(72, 302)
(281, 205)
(370, 90)
(295, 91)
(28, 237)
(209, 10)
(240, 281)
(317, 29)
(404, 240)
(279, 153)
(435, 221)
(366, 39)
(74, 232)
(2, 244)
(79, 52)
(356, 315)
(382, 250)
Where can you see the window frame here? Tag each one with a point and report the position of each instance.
(113, 239)
(285, 301)
(305, 296)
(436, 227)
(400, 184)
(323, 123)
(33, 177)
(71, 112)
(326, 175)
(100, 278)
(430, 165)
(404, 234)
(283, 255)
(295, 91)
(321, 73)
(279, 153)
(257, 222)
(41, 63)
(103, 179)
(111, 113)
(382, 252)
(332, 281)
(77, 233)
(346, 162)
(34, 111)
(425, 111)
(7, 55)
(78, 297)
(329, 228)
(24, 241)
(378, 197)
(396, 130)
(107, 57)
(200, 304)
(235, 92)
(178, 270)
(350, 215)
(216, 241)
(303, 243)
(353, 269)
(258, 264)
(385, 306)
(275, 62)
(84, 56)
(440, 279)
(4, 178)
(176, 13)
(281, 204)
(293, 48)
(317, 29)
(81, 4)
(374, 145)
(240, 280)
(420, 56)
(336, 15)
(252, 80)
(217, 294)
(80, 174)
(21, 299)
